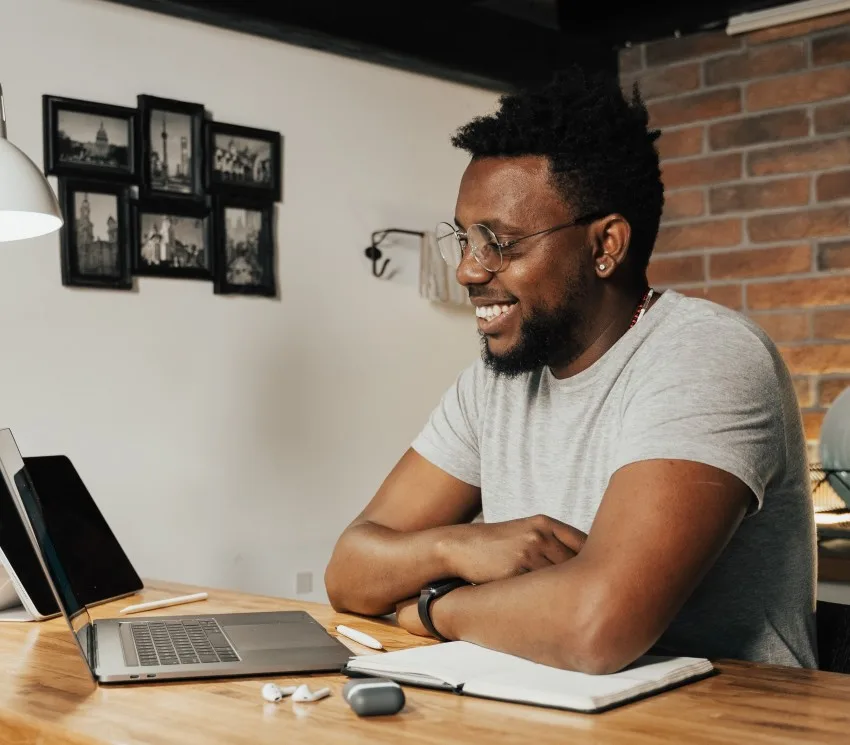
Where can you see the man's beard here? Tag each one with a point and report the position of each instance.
(545, 338)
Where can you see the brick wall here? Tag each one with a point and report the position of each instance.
(756, 164)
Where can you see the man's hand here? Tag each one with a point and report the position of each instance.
(407, 615)
(483, 552)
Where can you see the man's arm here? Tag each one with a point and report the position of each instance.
(393, 548)
(415, 530)
(659, 528)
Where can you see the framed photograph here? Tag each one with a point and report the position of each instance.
(243, 161)
(245, 247)
(171, 148)
(171, 238)
(94, 239)
(85, 139)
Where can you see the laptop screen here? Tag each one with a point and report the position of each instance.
(20, 486)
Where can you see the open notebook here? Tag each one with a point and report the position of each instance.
(475, 671)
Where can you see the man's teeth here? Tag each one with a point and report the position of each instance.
(489, 312)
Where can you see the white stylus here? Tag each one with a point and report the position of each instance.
(360, 637)
(164, 603)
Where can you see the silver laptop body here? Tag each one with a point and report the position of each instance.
(170, 647)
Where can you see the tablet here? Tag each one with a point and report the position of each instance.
(99, 565)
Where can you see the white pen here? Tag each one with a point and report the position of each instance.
(359, 636)
(165, 602)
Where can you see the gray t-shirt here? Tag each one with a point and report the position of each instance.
(694, 381)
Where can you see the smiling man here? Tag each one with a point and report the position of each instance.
(637, 457)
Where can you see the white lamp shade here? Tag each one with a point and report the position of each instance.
(28, 206)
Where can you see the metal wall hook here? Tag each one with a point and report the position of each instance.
(374, 254)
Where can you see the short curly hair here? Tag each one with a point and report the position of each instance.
(601, 151)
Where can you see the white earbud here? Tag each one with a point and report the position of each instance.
(303, 694)
(274, 693)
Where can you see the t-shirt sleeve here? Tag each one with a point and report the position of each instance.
(714, 399)
(450, 437)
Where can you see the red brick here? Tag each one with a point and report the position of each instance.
(681, 269)
(666, 51)
(755, 63)
(694, 107)
(784, 326)
(817, 359)
(832, 118)
(697, 171)
(791, 226)
(834, 255)
(830, 389)
(786, 192)
(761, 262)
(800, 157)
(754, 130)
(631, 59)
(799, 293)
(699, 235)
(668, 81)
(830, 50)
(812, 422)
(679, 143)
(805, 87)
(832, 186)
(832, 324)
(803, 389)
(682, 204)
(729, 295)
(801, 28)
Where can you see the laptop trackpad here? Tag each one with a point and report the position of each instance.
(251, 637)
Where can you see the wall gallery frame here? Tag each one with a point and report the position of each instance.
(244, 237)
(171, 148)
(94, 236)
(243, 161)
(86, 139)
(171, 238)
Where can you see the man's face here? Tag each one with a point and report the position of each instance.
(542, 288)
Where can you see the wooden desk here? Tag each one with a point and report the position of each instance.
(46, 696)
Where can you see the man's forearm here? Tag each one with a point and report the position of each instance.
(559, 616)
(374, 567)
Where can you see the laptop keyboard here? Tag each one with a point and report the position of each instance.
(181, 642)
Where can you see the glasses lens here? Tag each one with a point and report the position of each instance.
(485, 247)
(450, 248)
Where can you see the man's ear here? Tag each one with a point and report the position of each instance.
(610, 239)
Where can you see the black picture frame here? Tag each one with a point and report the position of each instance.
(76, 145)
(168, 170)
(96, 263)
(159, 250)
(239, 270)
(234, 168)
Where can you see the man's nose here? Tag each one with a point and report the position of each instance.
(470, 272)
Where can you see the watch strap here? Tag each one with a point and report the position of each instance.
(428, 595)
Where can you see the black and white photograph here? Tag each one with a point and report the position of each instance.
(172, 147)
(87, 139)
(243, 161)
(244, 237)
(94, 236)
(171, 240)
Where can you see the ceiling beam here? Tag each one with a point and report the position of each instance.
(447, 39)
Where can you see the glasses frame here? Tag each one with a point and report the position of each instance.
(464, 242)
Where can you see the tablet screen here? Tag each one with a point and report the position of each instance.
(82, 538)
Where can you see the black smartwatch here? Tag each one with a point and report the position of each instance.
(428, 595)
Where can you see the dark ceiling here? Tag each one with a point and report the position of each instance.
(494, 44)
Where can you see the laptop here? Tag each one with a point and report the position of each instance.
(168, 647)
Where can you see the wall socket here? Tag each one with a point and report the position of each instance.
(303, 583)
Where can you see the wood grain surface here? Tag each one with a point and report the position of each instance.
(47, 696)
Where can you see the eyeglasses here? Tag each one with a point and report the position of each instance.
(486, 249)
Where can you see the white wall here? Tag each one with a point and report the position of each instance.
(229, 440)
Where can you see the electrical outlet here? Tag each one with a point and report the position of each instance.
(303, 583)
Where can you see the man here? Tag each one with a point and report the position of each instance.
(638, 458)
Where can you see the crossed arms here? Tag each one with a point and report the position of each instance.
(542, 589)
